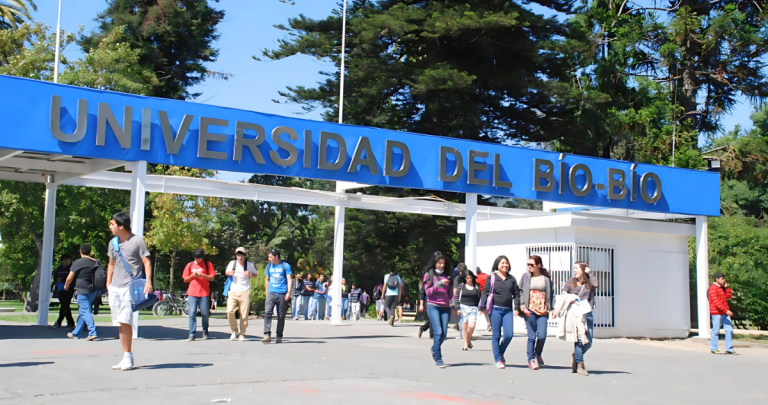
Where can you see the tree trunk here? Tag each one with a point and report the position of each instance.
(173, 263)
(34, 297)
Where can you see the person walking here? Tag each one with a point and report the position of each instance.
(439, 289)
(364, 300)
(198, 274)
(128, 260)
(296, 289)
(422, 301)
(583, 286)
(355, 295)
(718, 295)
(317, 305)
(378, 298)
(536, 303)
(481, 278)
(277, 284)
(500, 295)
(65, 296)
(306, 297)
(239, 298)
(83, 274)
(329, 287)
(393, 284)
(344, 299)
(466, 301)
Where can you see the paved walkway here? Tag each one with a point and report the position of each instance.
(367, 362)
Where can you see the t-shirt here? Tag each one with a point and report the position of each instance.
(240, 280)
(355, 294)
(133, 250)
(344, 291)
(278, 283)
(319, 290)
(83, 269)
(469, 296)
(309, 285)
(391, 291)
(61, 276)
(198, 286)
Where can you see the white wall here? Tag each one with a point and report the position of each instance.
(651, 293)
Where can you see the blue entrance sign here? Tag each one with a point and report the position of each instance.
(44, 117)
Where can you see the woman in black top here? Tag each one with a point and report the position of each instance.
(505, 296)
(465, 301)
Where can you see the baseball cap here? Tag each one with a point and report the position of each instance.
(240, 250)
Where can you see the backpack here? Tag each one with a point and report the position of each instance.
(376, 294)
(392, 282)
(99, 277)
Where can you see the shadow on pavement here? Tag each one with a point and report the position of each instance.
(151, 332)
(173, 365)
(352, 337)
(26, 364)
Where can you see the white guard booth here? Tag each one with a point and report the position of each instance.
(640, 259)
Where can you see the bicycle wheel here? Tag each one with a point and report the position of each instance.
(184, 307)
(162, 308)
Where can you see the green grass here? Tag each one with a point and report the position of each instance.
(51, 318)
(749, 338)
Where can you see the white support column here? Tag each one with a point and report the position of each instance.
(470, 236)
(46, 265)
(138, 197)
(338, 262)
(702, 276)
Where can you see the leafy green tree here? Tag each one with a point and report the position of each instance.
(13, 12)
(174, 39)
(466, 69)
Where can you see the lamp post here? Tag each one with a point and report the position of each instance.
(338, 236)
(58, 47)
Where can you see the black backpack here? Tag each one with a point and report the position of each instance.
(377, 294)
(100, 277)
(392, 282)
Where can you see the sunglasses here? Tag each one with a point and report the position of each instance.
(531, 264)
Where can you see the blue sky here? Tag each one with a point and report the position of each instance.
(246, 30)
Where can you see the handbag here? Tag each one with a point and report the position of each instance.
(139, 299)
(489, 300)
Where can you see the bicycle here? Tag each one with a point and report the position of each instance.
(171, 305)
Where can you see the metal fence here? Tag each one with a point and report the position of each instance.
(558, 258)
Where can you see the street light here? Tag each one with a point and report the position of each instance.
(58, 47)
(343, 49)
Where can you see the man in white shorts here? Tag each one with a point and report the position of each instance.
(136, 256)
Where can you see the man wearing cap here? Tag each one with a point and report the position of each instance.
(277, 284)
(242, 271)
(718, 295)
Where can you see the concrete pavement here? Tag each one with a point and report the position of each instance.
(366, 362)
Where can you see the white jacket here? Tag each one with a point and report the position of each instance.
(571, 327)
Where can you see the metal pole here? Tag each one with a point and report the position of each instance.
(470, 235)
(46, 265)
(343, 50)
(702, 276)
(138, 195)
(338, 223)
(58, 47)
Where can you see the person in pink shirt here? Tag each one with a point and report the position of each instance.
(438, 288)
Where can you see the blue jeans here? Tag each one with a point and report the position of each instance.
(328, 308)
(537, 334)
(295, 303)
(204, 303)
(714, 335)
(438, 321)
(501, 318)
(345, 307)
(317, 308)
(579, 348)
(85, 316)
(305, 300)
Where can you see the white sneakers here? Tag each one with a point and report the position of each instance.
(125, 364)
(242, 338)
(233, 337)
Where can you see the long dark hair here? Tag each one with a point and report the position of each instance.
(430, 267)
(498, 260)
(474, 278)
(537, 259)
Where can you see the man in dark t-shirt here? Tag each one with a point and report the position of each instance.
(82, 273)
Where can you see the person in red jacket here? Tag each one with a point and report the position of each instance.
(481, 278)
(718, 295)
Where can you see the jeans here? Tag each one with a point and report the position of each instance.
(501, 318)
(345, 307)
(390, 302)
(537, 334)
(438, 319)
(355, 310)
(85, 316)
(304, 309)
(204, 303)
(714, 335)
(295, 303)
(579, 348)
(317, 308)
(275, 299)
(96, 302)
(328, 309)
